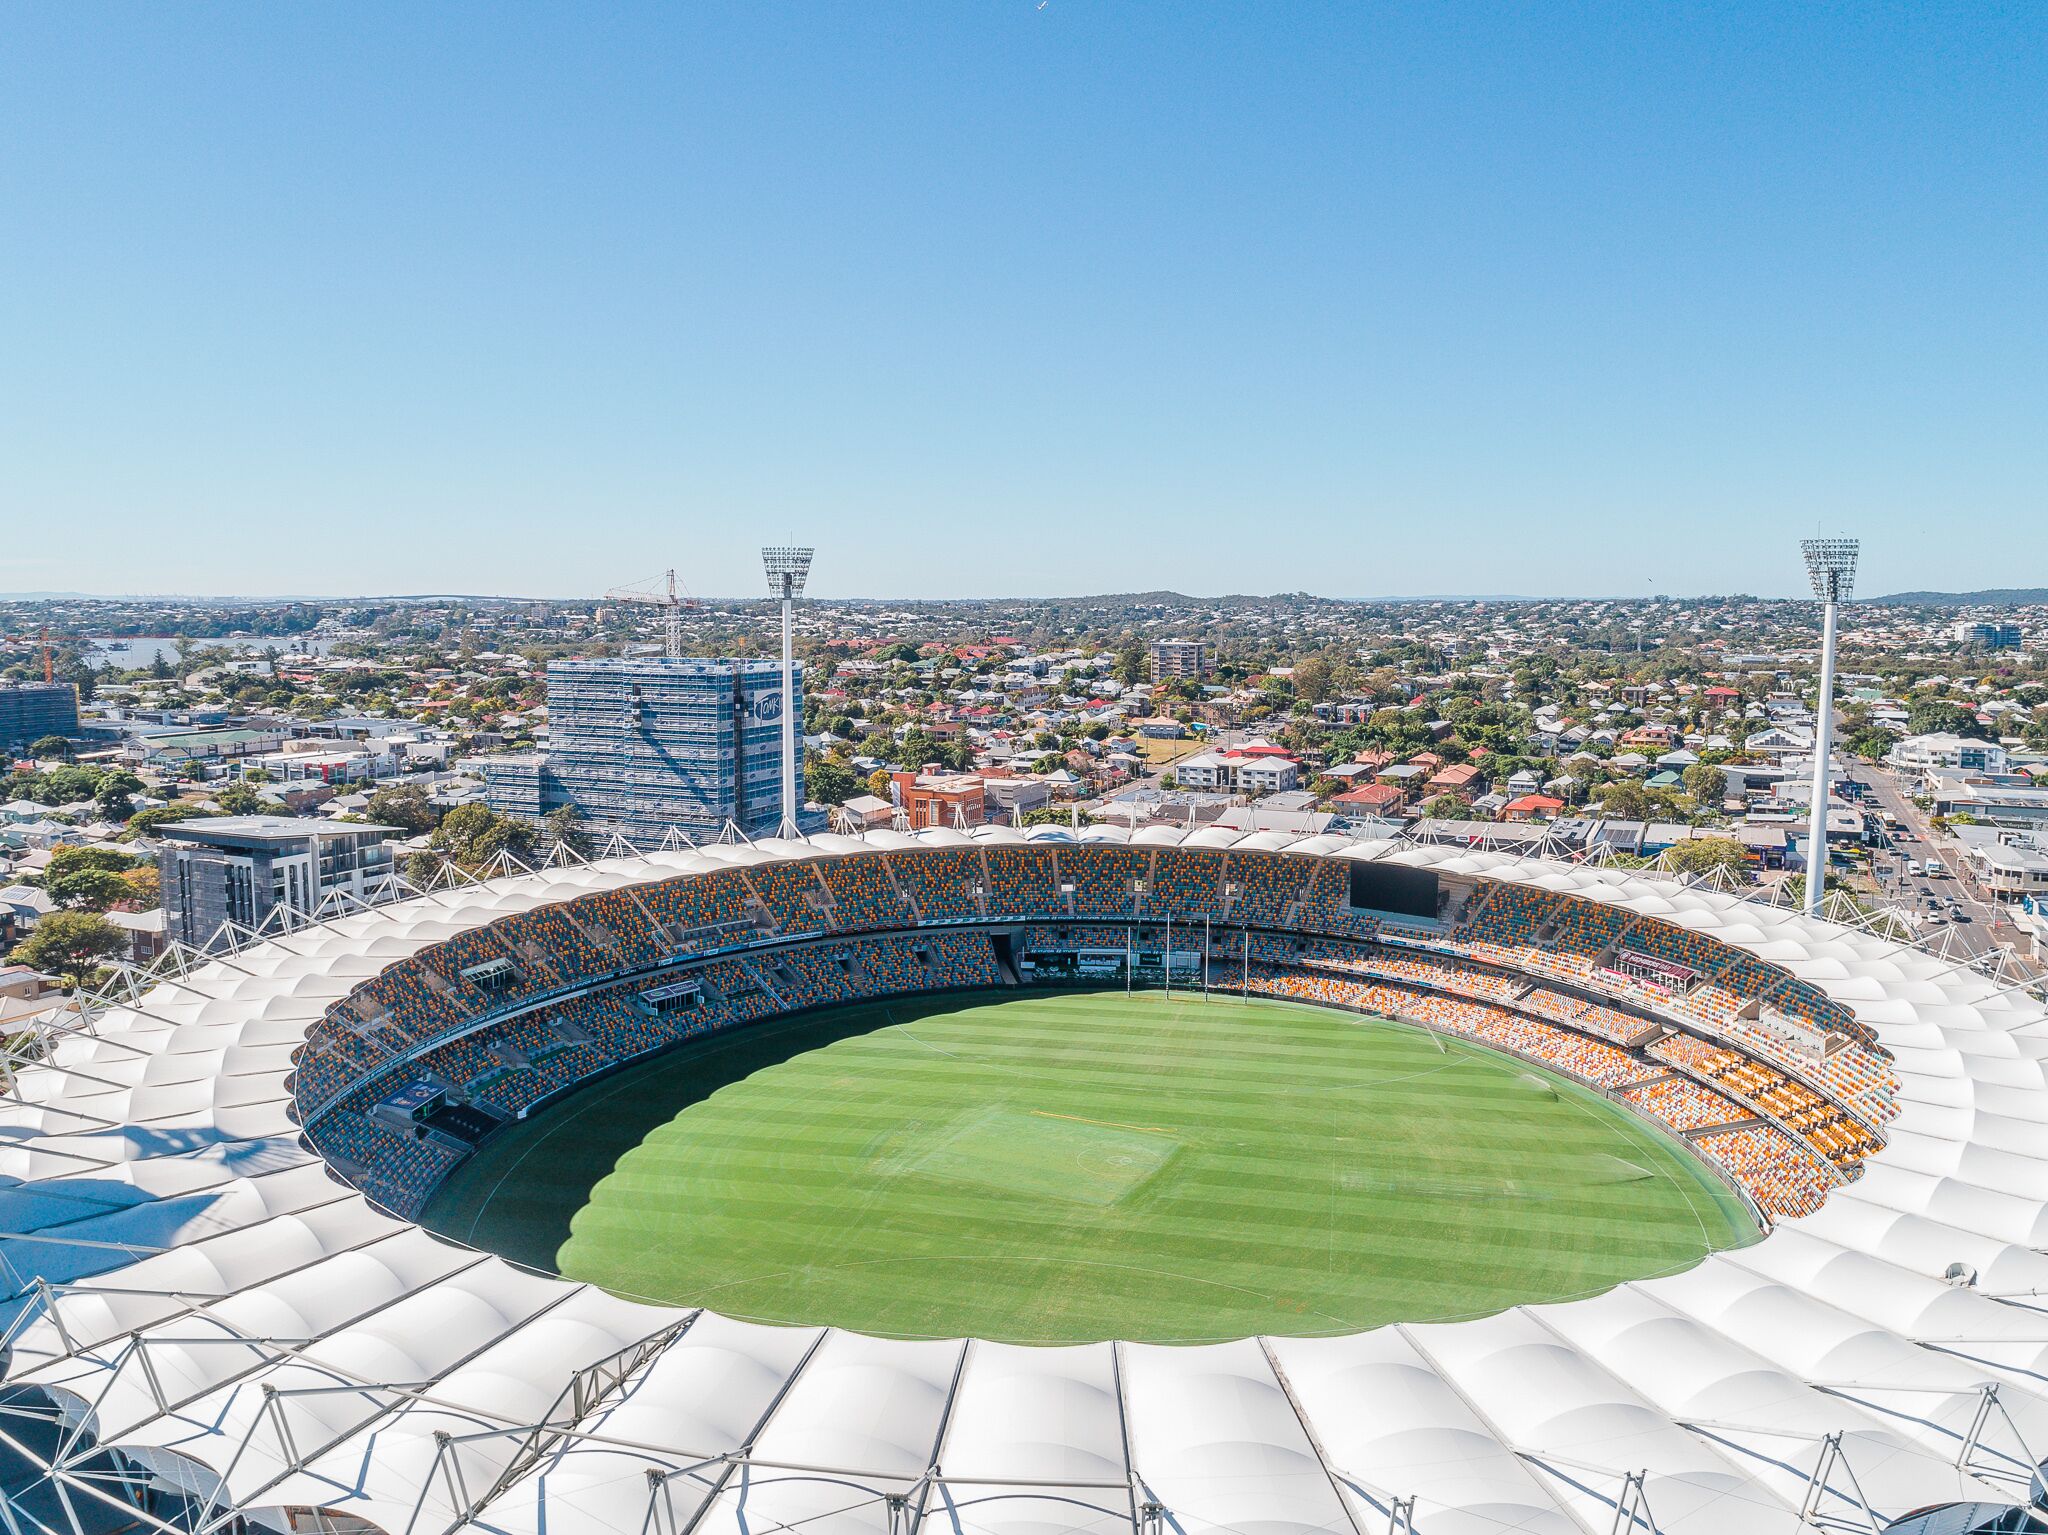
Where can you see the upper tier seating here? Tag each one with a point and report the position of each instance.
(1508, 917)
(943, 882)
(512, 978)
(1267, 887)
(1586, 930)
(1187, 885)
(1024, 882)
(863, 894)
(792, 893)
(1326, 904)
(1102, 879)
(627, 923)
(690, 905)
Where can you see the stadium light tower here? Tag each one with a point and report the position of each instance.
(788, 569)
(1831, 567)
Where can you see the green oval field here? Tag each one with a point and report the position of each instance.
(1072, 1166)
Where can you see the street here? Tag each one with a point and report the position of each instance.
(1987, 928)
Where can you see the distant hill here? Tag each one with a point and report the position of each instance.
(2004, 596)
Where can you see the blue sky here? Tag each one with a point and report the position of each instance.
(988, 298)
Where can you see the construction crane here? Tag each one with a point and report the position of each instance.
(652, 593)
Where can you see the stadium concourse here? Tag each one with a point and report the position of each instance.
(220, 1310)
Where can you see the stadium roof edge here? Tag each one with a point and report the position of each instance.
(1538, 1419)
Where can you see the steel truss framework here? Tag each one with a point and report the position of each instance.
(200, 1322)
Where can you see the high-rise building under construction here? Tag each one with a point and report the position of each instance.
(643, 746)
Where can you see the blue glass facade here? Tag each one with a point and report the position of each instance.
(643, 746)
(31, 710)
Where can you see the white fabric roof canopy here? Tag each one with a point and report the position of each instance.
(227, 1307)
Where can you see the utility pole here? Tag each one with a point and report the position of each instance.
(787, 570)
(1831, 567)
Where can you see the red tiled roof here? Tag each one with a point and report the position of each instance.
(1371, 794)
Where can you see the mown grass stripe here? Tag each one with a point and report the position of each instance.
(1322, 1172)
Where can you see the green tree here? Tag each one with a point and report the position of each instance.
(921, 746)
(1314, 680)
(113, 802)
(405, 806)
(143, 822)
(88, 889)
(1872, 743)
(828, 781)
(44, 747)
(1625, 799)
(66, 785)
(475, 834)
(564, 826)
(1934, 716)
(70, 944)
(241, 799)
(1446, 807)
(1704, 855)
(1132, 664)
(1706, 783)
(75, 860)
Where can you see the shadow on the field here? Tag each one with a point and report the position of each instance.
(518, 1195)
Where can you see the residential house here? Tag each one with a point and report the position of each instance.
(1373, 799)
(1459, 778)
